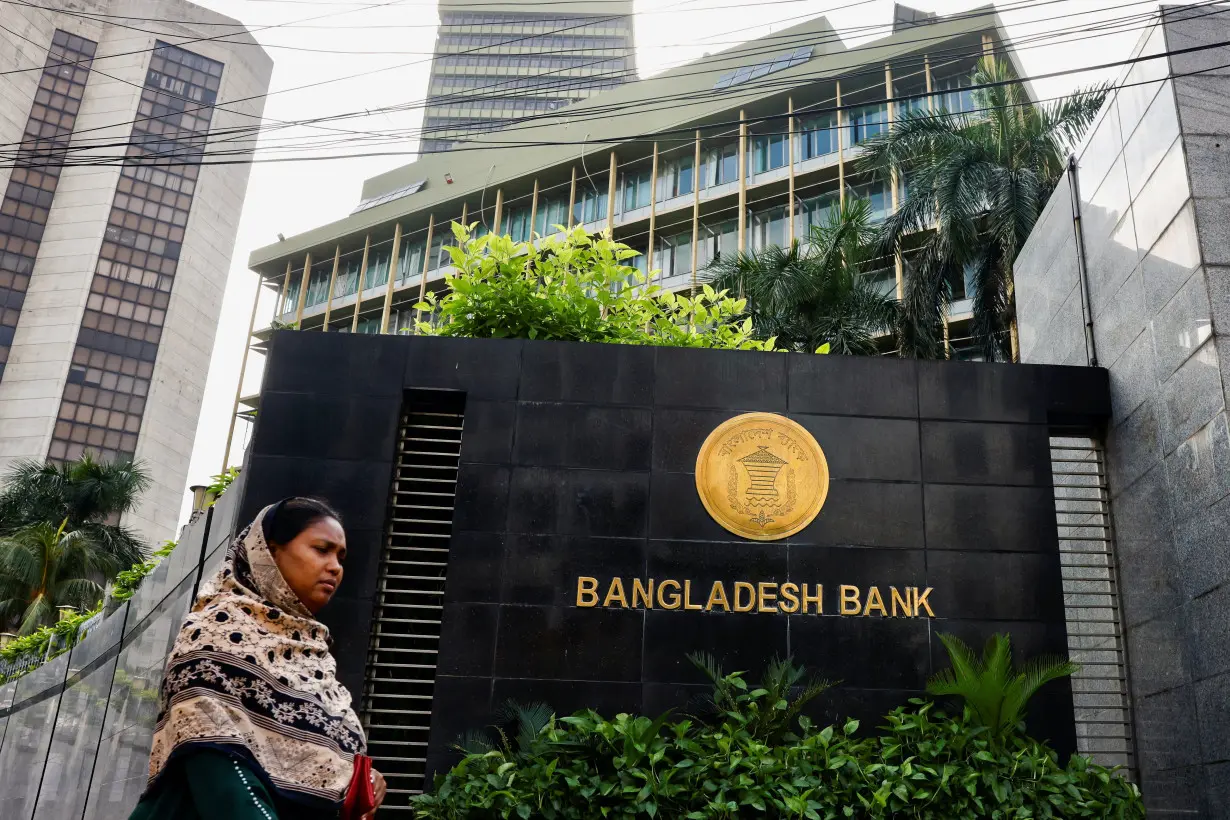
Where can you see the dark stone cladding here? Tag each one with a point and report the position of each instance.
(577, 459)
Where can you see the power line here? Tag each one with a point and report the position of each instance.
(761, 49)
(661, 135)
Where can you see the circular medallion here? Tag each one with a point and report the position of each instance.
(762, 476)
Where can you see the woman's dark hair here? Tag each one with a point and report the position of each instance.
(291, 516)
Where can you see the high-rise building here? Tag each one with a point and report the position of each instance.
(115, 235)
(737, 151)
(512, 61)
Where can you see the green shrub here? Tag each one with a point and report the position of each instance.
(756, 757)
(576, 289)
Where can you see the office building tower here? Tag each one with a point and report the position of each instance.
(498, 64)
(115, 230)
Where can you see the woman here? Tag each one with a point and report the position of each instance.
(253, 724)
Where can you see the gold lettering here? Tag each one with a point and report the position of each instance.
(587, 591)
(817, 599)
(790, 598)
(850, 600)
(765, 598)
(744, 586)
(640, 595)
(920, 602)
(687, 597)
(671, 602)
(874, 601)
(906, 606)
(717, 596)
(616, 593)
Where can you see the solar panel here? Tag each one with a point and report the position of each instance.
(779, 63)
(405, 190)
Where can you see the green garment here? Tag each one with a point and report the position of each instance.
(212, 785)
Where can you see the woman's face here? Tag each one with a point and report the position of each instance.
(312, 562)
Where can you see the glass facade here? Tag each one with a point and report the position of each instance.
(559, 59)
(27, 200)
(113, 361)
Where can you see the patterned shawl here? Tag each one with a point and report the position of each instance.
(251, 674)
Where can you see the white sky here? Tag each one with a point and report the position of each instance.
(397, 40)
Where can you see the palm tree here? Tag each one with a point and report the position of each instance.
(814, 293)
(90, 495)
(977, 184)
(43, 567)
(995, 694)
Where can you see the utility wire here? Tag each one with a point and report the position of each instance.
(555, 115)
(662, 135)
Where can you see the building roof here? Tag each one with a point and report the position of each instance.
(586, 132)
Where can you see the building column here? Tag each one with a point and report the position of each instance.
(358, 297)
(742, 181)
(841, 151)
(337, 259)
(534, 209)
(931, 112)
(610, 198)
(279, 309)
(898, 263)
(388, 293)
(696, 213)
(790, 165)
(243, 367)
(499, 210)
(572, 198)
(431, 229)
(303, 286)
(653, 209)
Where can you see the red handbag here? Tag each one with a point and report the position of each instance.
(360, 796)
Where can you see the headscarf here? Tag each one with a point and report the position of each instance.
(251, 675)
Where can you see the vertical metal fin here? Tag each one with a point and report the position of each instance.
(405, 641)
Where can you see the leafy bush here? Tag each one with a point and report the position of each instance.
(756, 756)
(576, 289)
(219, 483)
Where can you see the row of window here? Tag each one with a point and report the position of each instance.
(524, 62)
(27, 198)
(510, 105)
(117, 345)
(499, 84)
(544, 41)
(450, 18)
(765, 228)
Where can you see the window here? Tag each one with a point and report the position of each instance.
(721, 165)
(590, 206)
(868, 122)
(768, 152)
(318, 283)
(635, 188)
(675, 178)
(878, 195)
(377, 268)
(411, 261)
(348, 275)
(517, 224)
(768, 228)
(552, 211)
(674, 255)
(818, 136)
(717, 240)
(817, 210)
(953, 95)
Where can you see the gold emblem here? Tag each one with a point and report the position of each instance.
(762, 476)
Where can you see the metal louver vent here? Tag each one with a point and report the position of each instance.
(1091, 602)
(401, 661)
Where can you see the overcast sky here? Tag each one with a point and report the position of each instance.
(392, 45)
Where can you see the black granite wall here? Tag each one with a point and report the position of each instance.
(577, 460)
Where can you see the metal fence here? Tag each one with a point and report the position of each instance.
(1100, 692)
